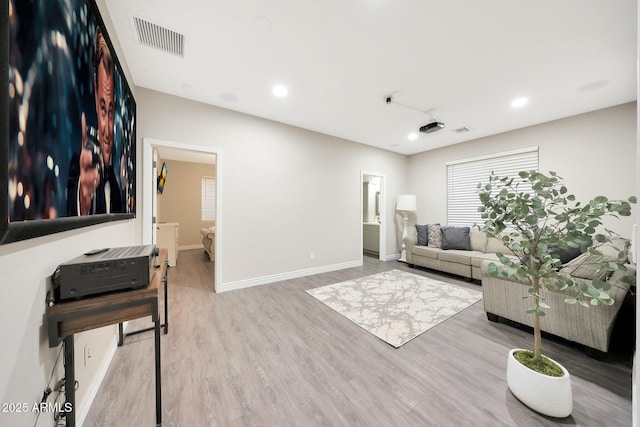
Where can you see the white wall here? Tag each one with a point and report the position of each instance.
(27, 361)
(595, 153)
(285, 191)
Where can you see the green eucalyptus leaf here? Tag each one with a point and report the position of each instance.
(600, 199)
(492, 268)
(594, 293)
(608, 301)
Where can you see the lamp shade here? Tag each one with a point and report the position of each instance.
(406, 202)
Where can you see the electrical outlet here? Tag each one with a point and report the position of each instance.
(312, 256)
(87, 354)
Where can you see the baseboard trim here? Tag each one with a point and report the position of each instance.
(242, 284)
(392, 257)
(83, 408)
(189, 247)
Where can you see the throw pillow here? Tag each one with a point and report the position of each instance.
(435, 236)
(478, 239)
(456, 238)
(495, 245)
(565, 255)
(423, 235)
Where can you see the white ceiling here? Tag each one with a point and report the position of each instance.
(340, 59)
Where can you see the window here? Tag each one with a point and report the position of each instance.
(208, 198)
(463, 177)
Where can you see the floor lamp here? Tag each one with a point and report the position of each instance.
(406, 203)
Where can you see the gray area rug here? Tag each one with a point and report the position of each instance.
(396, 306)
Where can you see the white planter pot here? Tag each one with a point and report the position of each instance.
(544, 394)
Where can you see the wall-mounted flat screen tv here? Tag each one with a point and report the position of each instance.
(68, 121)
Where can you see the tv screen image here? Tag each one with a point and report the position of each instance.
(162, 178)
(71, 147)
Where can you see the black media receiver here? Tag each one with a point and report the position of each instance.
(103, 270)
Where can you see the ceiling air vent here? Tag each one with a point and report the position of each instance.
(157, 37)
(463, 129)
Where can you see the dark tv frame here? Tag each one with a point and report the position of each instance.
(29, 229)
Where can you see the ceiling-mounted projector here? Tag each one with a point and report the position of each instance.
(432, 127)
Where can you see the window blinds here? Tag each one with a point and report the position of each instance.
(463, 177)
(208, 198)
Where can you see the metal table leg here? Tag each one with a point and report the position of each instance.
(69, 381)
(158, 370)
(165, 280)
(165, 325)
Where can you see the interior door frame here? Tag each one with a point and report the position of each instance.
(149, 146)
(382, 242)
(154, 196)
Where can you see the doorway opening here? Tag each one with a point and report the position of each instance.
(373, 214)
(189, 170)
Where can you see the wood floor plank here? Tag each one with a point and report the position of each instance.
(274, 356)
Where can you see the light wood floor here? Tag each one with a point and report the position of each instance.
(274, 356)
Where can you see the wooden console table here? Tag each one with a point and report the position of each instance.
(68, 318)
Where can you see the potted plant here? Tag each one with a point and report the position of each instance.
(536, 219)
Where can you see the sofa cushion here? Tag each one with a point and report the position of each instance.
(617, 275)
(479, 257)
(435, 236)
(585, 265)
(478, 240)
(455, 255)
(423, 234)
(426, 252)
(495, 245)
(455, 238)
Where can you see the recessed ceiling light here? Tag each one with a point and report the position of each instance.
(413, 136)
(519, 102)
(280, 91)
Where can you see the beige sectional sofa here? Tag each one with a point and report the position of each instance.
(503, 298)
(465, 263)
(590, 326)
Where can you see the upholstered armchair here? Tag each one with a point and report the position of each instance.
(209, 241)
